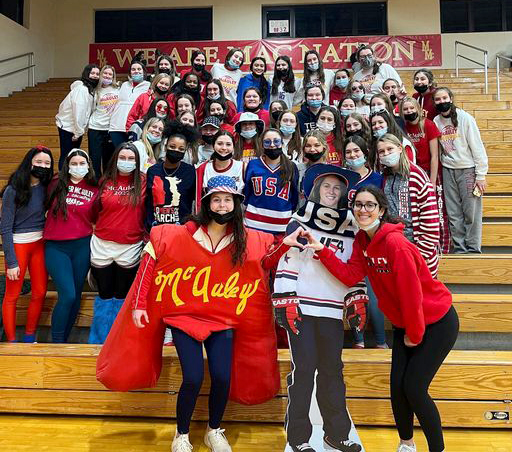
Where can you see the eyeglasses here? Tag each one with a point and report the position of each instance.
(277, 142)
(369, 206)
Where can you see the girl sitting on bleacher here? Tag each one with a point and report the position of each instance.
(21, 227)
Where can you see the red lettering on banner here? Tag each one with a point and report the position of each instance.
(399, 51)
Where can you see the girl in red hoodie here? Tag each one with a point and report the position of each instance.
(419, 307)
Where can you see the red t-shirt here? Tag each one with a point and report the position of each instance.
(421, 141)
(337, 96)
(118, 220)
(333, 156)
(427, 104)
(82, 210)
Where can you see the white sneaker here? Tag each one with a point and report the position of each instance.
(216, 441)
(406, 448)
(181, 443)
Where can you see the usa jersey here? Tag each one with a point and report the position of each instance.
(270, 204)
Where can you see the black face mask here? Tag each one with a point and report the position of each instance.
(421, 88)
(282, 72)
(220, 116)
(161, 91)
(252, 110)
(443, 107)
(174, 156)
(393, 98)
(222, 218)
(314, 156)
(41, 173)
(222, 158)
(191, 91)
(93, 81)
(354, 132)
(165, 70)
(198, 67)
(276, 114)
(208, 139)
(273, 154)
(411, 116)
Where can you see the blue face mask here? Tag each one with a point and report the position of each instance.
(345, 112)
(126, 166)
(137, 78)
(357, 96)
(232, 64)
(380, 133)
(313, 66)
(314, 103)
(248, 134)
(342, 83)
(356, 163)
(152, 139)
(287, 130)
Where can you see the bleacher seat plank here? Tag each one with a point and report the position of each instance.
(499, 148)
(27, 113)
(496, 234)
(497, 206)
(476, 269)
(6, 130)
(499, 183)
(500, 164)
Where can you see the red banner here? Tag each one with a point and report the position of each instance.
(399, 51)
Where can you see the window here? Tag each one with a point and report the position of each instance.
(149, 25)
(313, 21)
(13, 9)
(462, 16)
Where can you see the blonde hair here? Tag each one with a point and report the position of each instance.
(147, 145)
(404, 166)
(417, 107)
(114, 80)
(157, 78)
(315, 133)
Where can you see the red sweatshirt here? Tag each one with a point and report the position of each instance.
(82, 209)
(119, 221)
(140, 108)
(408, 295)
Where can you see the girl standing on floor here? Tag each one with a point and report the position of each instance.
(285, 86)
(72, 210)
(105, 100)
(465, 167)
(21, 227)
(74, 111)
(215, 92)
(148, 147)
(117, 241)
(339, 90)
(256, 79)
(420, 308)
(425, 85)
(328, 123)
(229, 73)
(248, 128)
(288, 124)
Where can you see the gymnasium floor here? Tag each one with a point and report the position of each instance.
(97, 434)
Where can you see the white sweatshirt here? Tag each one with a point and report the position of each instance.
(462, 147)
(127, 96)
(105, 101)
(290, 99)
(75, 109)
(330, 77)
(373, 83)
(229, 80)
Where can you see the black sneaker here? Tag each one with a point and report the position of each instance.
(344, 446)
(304, 447)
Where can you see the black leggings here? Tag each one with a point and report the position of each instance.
(114, 281)
(412, 370)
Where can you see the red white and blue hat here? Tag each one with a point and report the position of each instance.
(222, 184)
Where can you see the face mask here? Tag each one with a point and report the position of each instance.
(165, 70)
(313, 66)
(222, 158)
(126, 166)
(354, 132)
(273, 154)
(342, 82)
(106, 82)
(152, 139)
(313, 156)
(222, 218)
(376, 109)
(276, 114)
(324, 127)
(220, 116)
(421, 88)
(443, 107)
(41, 173)
(137, 78)
(411, 116)
(78, 172)
(367, 61)
(248, 134)
(390, 160)
(393, 98)
(380, 133)
(214, 97)
(314, 103)
(357, 96)
(174, 156)
(208, 139)
(161, 115)
(93, 81)
(160, 90)
(345, 112)
(198, 67)
(356, 163)
(370, 227)
(281, 72)
(233, 65)
(287, 130)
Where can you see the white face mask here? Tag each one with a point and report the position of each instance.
(370, 227)
(325, 127)
(390, 160)
(78, 172)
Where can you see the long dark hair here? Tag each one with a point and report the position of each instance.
(361, 143)
(222, 133)
(231, 53)
(239, 244)
(308, 72)
(152, 110)
(453, 108)
(60, 191)
(19, 180)
(263, 84)
(287, 167)
(164, 56)
(288, 79)
(85, 77)
(184, 96)
(111, 174)
(205, 76)
(338, 133)
(382, 201)
(217, 82)
(208, 103)
(295, 143)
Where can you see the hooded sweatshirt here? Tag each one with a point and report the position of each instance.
(307, 119)
(128, 94)
(249, 81)
(408, 295)
(75, 109)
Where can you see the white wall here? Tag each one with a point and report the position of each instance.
(38, 36)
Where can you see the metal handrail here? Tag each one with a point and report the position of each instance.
(485, 64)
(30, 67)
(503, 57)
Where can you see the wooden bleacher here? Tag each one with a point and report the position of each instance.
(60, 379)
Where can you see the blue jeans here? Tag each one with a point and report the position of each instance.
(375, 316)
(67, 262)
(118, 138)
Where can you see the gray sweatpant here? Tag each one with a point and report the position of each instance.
(464, 209)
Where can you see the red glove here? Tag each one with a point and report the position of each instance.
(356, 306)
(286, 310)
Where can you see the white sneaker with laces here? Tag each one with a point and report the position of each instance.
(405, 448)
(216, 441)
(181, 443)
